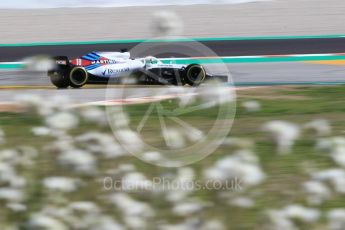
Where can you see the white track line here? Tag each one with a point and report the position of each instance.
(144, 100)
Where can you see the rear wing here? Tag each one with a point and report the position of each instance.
(62, 66)
(61, 61)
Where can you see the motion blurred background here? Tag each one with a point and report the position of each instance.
(63, 165)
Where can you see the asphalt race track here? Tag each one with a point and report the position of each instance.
(13, 83)
(221, 48)
(245, 73)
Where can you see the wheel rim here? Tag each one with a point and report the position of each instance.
(196, 74)
(78, 76)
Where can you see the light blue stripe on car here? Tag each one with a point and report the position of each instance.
(95, 57)
(88, 58)
(91, 67)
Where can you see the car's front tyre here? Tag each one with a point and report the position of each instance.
(194, 75)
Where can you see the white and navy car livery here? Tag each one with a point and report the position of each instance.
(100, 67)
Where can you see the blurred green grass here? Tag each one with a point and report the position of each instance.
(285, 173)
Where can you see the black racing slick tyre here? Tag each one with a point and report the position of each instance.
(60, 80)
(78, 77)
(194, 75)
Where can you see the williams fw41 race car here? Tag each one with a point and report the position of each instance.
(100, 67)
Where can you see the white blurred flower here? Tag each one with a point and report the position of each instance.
(78, 214)
(46, 109)
(16, 207)
(242, 202)
(94, 114)
(120, 119)
(106, 223)
(9, 156)
(129, 139)
(135, 222)
(18, 182)
(316, 191)
(166, 23)
(60, 213)
(172, 90)
(194, 134)
(182, 185)
(283, 134)
(177, 194)
(152, 157)
(6, 171)
(131, 207)
(187, 97)
(84, 207)
(189, 223)
(279, 221)
(334, 176)
(94, 141)
(338, 155)
(22, 155)
(41, 131)
(61, 184)
(29, 100)
(327, 144)
(185, 174)
(78, 160)
(173, 138)
(129, 80)
(2, 136)
(61, 102)
(41, 105)
(62, 145)
(72, 220)
(299, 212)
(236, 142)
(8, 175)
(62, 120)
(320, 126)
(101, 143)
(238, 166)
(246, 156)
(251, 106)
(39, 63)
(187, 208)
(335, 146)
(184, 95)
(214, 93)
(336, 219)
(125, 168)
(44, 222)
(284, 218)
(27, 155)
(136, 181)
(214, 225)
(113, 150)
(11, 194)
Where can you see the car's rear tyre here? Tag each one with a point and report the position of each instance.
(78, 77)
(194, 75)
(60, 80)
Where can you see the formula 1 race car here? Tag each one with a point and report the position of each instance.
(100, 67)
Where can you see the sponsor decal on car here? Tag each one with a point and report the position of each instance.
(115, 71)
(61, 62)
(104, 62)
